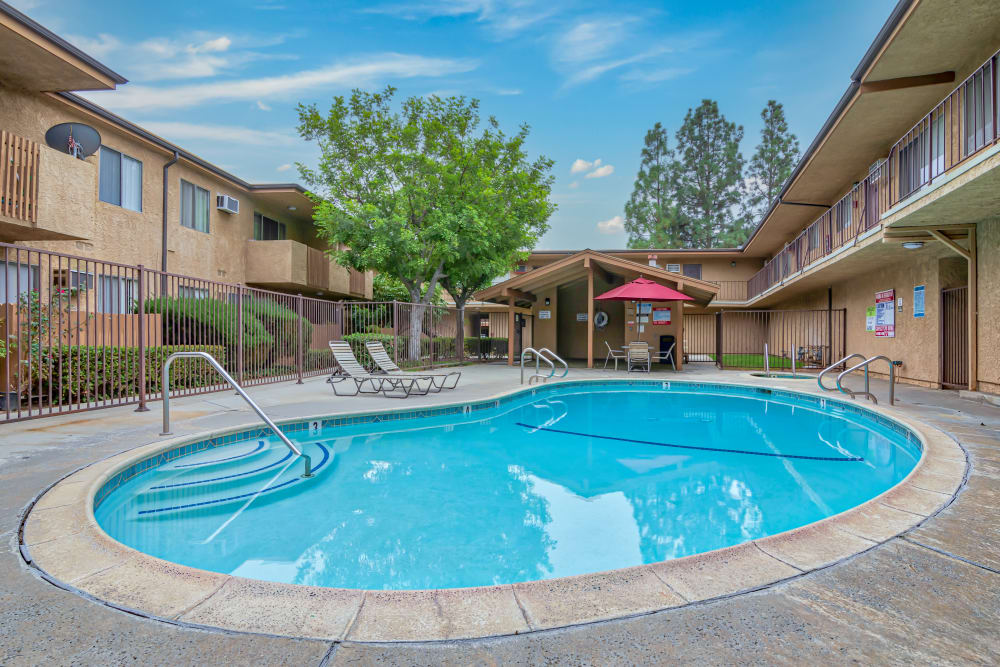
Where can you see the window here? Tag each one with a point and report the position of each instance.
(17, 280)
(117, 294)
(81, 279)
(194, 207)
(692, 271)
(266, 229)
(674, 268)
(188, 292)
(977, 100)
(121, 180)
(813, 236)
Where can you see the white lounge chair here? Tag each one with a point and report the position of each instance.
(617, 355)
(391, 386)
(662, 357)
(382, 359)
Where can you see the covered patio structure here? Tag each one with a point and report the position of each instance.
(567, 319)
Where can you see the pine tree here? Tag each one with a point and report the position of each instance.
(772, 162)
(708, 178)
(650, 214)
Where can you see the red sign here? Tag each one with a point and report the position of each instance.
(661, 315)
(885, 314)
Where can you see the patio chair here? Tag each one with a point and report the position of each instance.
(390, 386)
(661, 357)
(385, 363)
(639, 357)
(614, 354)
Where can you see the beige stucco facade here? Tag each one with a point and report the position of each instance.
(72, 219)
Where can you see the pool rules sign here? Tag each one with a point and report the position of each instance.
(885, 314)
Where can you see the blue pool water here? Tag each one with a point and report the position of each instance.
(568, 481)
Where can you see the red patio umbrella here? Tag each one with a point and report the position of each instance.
(641, 289)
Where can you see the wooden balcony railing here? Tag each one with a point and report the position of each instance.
(357, 282)
(965, 123)
(19, 160)
(731, 290)
(317, 268)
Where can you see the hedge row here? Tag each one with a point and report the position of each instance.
(80, 373)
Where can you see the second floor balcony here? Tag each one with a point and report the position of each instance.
(287, 265)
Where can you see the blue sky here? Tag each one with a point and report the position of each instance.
(222, 78)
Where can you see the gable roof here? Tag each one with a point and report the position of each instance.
(701, 290)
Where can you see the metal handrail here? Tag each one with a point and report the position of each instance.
(892, 379)
(538, 357)
(838, 363)
(556, 357)
(307, 461)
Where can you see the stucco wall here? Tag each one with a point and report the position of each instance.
(116, 234)
(988, 245)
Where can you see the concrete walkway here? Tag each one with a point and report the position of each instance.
(931, 595)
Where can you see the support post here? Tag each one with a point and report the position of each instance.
(142, 341)
(395, 332)
(510, 331)
(300, 355)
(973, 314)
(590, 315)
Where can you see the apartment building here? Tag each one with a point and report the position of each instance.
(890, 224)
(138, 199)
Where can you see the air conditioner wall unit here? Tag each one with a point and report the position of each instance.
(228, 204)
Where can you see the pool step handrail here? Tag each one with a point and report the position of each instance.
(866, 393)
(306, 460)
(539, 357)
(556, 358)
(838, 364)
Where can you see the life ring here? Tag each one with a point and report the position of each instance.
(600, 320)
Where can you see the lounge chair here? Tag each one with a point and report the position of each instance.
(663, 357)
(391, 386)
(617, 355)
(385, 363)
(639, 357)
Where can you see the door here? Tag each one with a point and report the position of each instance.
(955, 338)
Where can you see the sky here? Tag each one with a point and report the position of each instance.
(222, 79)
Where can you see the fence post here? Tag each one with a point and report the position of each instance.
(142, 341)
(300, 355)
(718, 341)
(395, 332)
(239, 334)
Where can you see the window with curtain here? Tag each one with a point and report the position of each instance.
(120, 179)
(117, 294)
(692, 271)
(16, 280)
(194, 207)
(266, 229)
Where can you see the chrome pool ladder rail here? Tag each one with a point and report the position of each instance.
(306, 460)
(836, 364)
(556, 357)
(539, 357)
(864, 364)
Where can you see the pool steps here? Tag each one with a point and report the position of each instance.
(263, 474)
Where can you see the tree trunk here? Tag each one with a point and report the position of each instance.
(416, 331)
(460, 332)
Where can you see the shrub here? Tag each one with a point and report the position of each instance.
(85, 373)
(281, 322)
(315, 360)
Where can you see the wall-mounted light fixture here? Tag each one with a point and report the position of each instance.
(913, 245)
(547, 301)
(733, 263)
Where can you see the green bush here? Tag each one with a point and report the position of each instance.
(85, 373)
(357, 342)
(315, 360)
(281, 322)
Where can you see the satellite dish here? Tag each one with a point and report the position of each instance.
(74, 138)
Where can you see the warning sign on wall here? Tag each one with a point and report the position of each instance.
(885, 314)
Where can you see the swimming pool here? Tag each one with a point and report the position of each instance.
(555, 481)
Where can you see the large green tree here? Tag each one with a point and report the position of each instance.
(507, 209)
(399, 190)
(708, 178)
(651, 213)
(772, 162)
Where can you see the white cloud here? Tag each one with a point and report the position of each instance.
(592, 72)
(601, 172)
(179, 131)
(580, 164)
(574, 185)
(503, 18)
(262, 106)
(216, 45)
(284, 167)
(361, 72)
(656, 75)
(613, 225)
(591, 39)
(99, 47)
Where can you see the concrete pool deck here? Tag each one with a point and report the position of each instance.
(939, 579)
